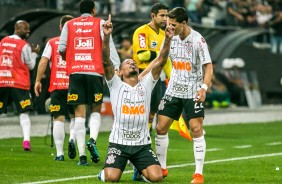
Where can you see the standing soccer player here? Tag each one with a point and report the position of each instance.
(130, 99)
(186, 89)
(147, 41)
(17, 57)
(81, 47)
(59, 83)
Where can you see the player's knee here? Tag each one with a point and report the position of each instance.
(197, 131)
(110, 177)
(161, 131)
(156, 178)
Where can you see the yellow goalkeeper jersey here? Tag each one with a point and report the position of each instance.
(146, 46)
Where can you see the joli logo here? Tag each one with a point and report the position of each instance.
(84, 43)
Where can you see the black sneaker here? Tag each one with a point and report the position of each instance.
(60, 158)
(82, 161)
(71, 149)
(91, 146)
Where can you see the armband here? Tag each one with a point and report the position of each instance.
(205, 87)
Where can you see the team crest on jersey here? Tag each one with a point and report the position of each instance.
(189, 47)
(1, 105)
(98, 97)
(153, 44)
(111, 159)
(140, 91)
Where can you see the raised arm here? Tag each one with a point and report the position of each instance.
(108, 65)
(159, 62)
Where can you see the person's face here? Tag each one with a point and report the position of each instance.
(23, 30)
(160, 18)
(126, 43)
(129, 68)
(178, 27)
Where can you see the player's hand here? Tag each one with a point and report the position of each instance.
(169, 31)
(200, 96)
(108, 26)
(37, 88)
(35, 48)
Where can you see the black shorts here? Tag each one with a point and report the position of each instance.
(140, 156)
(156, 96)
(172, 107)
(85, 89)
(20, 97)
(58, 105)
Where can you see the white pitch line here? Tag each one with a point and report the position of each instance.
(243, 146)
(213, 149)
(172, 166)
(273, 143)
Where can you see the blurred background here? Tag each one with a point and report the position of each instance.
(244, 38)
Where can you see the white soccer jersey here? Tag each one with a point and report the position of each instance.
(187, 57)
(131, 107)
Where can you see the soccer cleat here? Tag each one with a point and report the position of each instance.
(71, 149)
(91, 146)
(82, 161)
(100, 176)
(138, 176)
(26, 146)
(197, 179)
(165, 172)
(60, 158)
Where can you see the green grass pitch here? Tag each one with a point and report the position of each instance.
(236, 154)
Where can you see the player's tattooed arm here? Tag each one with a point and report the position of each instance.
(162, 58)
(108, 65)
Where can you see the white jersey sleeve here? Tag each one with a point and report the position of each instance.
(47, 51)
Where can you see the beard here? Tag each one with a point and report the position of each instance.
(133, 73)
(24, 36)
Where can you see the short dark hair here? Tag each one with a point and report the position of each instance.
(158, 6)
(64, 19)
(178, 13)
(86, 6)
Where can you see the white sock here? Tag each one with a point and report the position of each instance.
(94, 125)
(25, 124)
(161, 144)
(59, 136)
(199, 153)
(80, 133)
(102, 175)
(72, 132)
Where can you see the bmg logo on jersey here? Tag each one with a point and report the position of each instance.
(84, 43)
(142, 40)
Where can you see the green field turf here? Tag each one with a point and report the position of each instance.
(236, 154)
